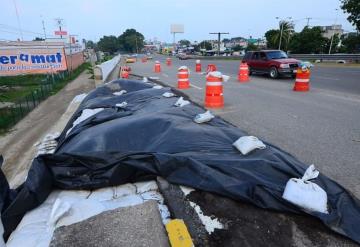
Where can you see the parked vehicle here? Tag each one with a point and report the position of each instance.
(275, 63)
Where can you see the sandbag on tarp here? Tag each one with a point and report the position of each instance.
(151, 137)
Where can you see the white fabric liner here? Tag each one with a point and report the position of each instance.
(85, 114)
(63, 208)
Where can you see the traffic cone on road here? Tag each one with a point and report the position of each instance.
(210, 68)
(183, 77)
(168, 61)
(214, 97)
(243, 75)
(302, 80)
(124, 72)
(157, 67)
(198, 66)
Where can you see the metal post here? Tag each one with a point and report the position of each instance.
(281, 31)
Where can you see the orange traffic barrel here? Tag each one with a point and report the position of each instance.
(214, 97)
(157, 67)
(302, 80)
(198, 66)
(168, 61)
(183, 77)
(124, 72)
(211, 67)
(243, 75)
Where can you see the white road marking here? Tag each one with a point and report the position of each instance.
(195, 86)
(165, 75)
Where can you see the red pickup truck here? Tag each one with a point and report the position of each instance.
(272, 62)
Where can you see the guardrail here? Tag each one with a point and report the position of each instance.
(324, 57)
(329, 57)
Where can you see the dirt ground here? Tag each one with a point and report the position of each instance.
(247, 225)
(17, 146)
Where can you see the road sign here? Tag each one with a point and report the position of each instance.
(60, 32)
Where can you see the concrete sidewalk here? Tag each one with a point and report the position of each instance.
(319, 127)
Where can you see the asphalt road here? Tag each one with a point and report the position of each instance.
(320, 127)
(338, 79)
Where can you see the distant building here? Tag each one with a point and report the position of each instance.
(329, 31)
(243, 42)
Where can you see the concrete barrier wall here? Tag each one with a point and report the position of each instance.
(102, 71)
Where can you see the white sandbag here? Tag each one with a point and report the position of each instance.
(306, 194)
(246, 144)
(158, 87)
(121, 105)
(168, 95)
(181, 102)
(225, 78)
(203, 117)
(120, 93)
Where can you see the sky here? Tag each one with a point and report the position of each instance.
(91, 19)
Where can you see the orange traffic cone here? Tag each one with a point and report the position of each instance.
(124, 72)
(183, 77)
(168, 61)
(198, 66)
(210, 68)
(157, 68)
(243, 75)
(214, 90)
(302, 80)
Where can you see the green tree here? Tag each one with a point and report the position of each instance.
(251, 47)
(131, 41)
(270, 38)
(108, 44)
(309, 40)
(287, 31)
(351, 43)
(237, 48)
(90, 44)
(352, 7)
(184, 42)
(205, 45)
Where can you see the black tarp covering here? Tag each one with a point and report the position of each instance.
(151, 137)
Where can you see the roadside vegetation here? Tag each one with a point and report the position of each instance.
(21, 94)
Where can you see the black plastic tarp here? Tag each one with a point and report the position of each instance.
(150, 138)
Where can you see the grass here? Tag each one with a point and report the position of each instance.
(29, 92)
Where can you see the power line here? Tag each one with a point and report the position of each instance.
(18, 19)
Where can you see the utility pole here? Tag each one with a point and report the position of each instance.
(333, 34)
(43, 25)
(308, 21)
(59, 23)
(18, 20)
(282, 22)
(219, 38)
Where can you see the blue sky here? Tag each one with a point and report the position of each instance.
(91, 19)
